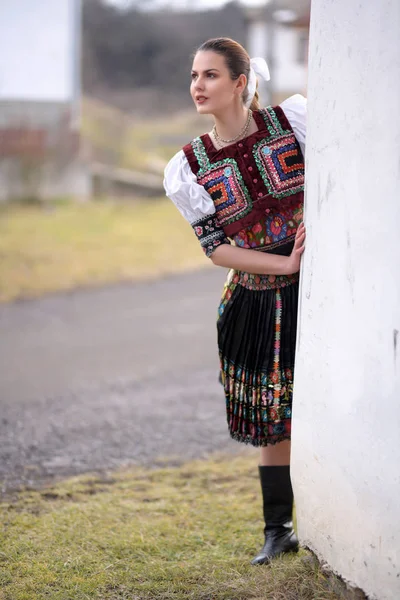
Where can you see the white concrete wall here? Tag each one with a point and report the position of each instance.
(346, 426)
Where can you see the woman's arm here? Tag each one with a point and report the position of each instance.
(261, 263)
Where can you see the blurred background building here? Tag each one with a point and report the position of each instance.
(279, 30)
(94, 94)
(40, 151)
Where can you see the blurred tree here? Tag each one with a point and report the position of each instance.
(129, 49)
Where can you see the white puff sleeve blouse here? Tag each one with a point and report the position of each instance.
(190, 198)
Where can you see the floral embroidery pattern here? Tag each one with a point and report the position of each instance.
(266, 282)
(272, 231)
(276, 228)
(253, 282)
(209, 234)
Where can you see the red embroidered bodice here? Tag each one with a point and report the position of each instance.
(256, 184)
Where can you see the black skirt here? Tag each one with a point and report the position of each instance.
(257, 339)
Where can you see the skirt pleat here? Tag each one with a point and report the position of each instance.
(257, 341)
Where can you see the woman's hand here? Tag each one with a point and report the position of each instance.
(293, 262)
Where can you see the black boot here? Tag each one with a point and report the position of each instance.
(278, 506)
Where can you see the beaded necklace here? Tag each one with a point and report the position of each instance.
(220, 141)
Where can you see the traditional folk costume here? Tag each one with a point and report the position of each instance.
(250, 193)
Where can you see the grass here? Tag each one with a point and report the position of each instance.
(67, 245)
(167, 534)
(64, 245)
(143, 145)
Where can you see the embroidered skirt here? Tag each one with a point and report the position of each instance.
(256, 326)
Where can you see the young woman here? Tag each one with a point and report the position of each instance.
(241, 186)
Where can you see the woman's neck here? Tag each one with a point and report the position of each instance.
(230, 123)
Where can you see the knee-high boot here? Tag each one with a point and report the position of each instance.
(278, 506)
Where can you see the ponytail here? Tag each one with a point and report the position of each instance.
(255, 103)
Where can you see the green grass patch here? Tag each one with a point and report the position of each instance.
(67, 245)
(166, 534)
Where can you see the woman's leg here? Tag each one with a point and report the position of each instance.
(275, 456)
(277, 495)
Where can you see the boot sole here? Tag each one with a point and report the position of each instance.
(268, 559)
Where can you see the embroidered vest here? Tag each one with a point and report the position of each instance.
(263, 173)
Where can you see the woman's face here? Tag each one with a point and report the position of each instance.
(212, 88)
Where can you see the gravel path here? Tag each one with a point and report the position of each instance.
(96, 379)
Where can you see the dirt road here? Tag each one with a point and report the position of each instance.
(96, 379)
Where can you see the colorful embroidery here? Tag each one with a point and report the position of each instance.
(279, 160)
(280, 163)
(209, 234)
(258, 350)
(200, 153)
(226, 188)
(224, 182)
(258, 400)
(253, 282)
(276, 376)
(259, 403)
(276, 228)
(274, 127)
(272, 231)
(265, 282)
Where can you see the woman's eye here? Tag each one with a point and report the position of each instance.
(212, 75)
(193, 76)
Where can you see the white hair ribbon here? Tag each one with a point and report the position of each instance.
(258, 66)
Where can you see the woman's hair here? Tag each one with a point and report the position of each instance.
(237, 60)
